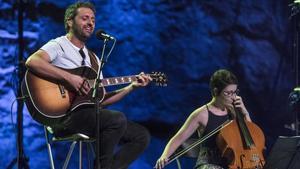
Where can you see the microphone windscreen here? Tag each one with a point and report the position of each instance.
(99, 33)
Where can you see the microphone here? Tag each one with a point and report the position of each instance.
(100, 34)
(295, 8)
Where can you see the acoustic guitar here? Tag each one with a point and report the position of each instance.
(48, 101)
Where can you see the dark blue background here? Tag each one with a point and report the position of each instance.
(186, 39)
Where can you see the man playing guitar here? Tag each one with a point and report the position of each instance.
(69, 52)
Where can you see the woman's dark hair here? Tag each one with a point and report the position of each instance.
(220, 79)
(71, 11)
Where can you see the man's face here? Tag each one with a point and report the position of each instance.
(83, 24)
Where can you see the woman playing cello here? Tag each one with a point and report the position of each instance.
(224, 91)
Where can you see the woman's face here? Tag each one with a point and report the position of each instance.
(228, 94)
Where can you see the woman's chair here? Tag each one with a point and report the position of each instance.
(193, 153)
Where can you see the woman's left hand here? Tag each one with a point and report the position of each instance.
(239, 104)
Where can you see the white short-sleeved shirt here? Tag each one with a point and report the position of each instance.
(64, 54)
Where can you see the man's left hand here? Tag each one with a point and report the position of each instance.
(142, 80)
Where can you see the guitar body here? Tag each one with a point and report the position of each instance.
(49, 101)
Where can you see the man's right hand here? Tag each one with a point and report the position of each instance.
(40, 63)
(78, 84)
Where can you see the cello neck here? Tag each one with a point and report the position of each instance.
(246, 136)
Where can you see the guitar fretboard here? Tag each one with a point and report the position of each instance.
(117, 80)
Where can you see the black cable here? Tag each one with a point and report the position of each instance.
(12, 116)
(11, 164)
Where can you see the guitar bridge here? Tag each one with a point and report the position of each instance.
(62, 91)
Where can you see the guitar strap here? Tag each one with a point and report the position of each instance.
(94, 61)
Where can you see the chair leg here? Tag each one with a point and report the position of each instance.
(91, 147)
(90, 150)
(178, 163)
(50, 156)
(80, 154)
(69, 154)
(49, 149)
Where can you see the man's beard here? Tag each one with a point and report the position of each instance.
(79, 33)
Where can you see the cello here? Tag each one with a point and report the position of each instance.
(242, 143)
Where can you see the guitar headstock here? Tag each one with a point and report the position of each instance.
(159, 78)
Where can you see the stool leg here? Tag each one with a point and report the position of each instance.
(50, 156)
(69, 154)
(49, 149)
(90, 150)
(80, 154)
(91, 147)
(178, 163)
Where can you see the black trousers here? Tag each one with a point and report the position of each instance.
(115, 130)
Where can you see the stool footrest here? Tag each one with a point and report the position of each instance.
(73, 137)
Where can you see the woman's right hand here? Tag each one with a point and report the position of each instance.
(161, 162)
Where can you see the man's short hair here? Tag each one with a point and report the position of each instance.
(220, 79)
(71, 11)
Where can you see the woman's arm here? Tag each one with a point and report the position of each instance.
(189, 127)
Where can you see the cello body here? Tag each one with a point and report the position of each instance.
(242, 144)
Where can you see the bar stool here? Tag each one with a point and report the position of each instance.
(74, 138)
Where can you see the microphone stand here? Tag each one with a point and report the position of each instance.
(294, 17)
(96, 98)
(292, 162)
(21, 160)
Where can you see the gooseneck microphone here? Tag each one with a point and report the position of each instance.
(100, 34)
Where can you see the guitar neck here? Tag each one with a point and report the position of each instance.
(157, 77)
(118, 80)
